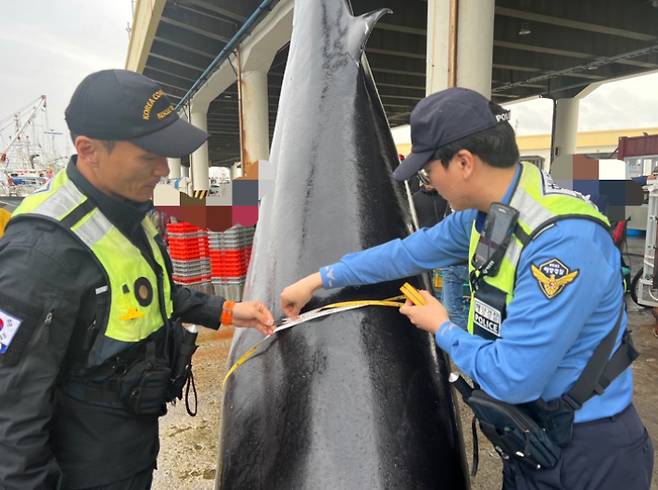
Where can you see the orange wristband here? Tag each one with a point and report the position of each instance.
(227, 313)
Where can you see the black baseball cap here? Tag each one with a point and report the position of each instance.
(121, 105)
(443, 118)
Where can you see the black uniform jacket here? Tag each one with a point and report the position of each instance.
(48, 282)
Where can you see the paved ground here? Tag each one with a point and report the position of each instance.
(189, 445)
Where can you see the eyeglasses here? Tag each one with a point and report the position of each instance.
(423, 176)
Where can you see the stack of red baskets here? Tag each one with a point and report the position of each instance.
(188, 248)
(230, 252)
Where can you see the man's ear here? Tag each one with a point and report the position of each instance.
(87, 150)
(466, 162)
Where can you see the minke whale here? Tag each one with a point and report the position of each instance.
(358, 399)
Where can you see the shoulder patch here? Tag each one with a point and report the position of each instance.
(553, 276)
(8, 327)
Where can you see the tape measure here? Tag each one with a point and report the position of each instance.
(412, 294)
(407, 289)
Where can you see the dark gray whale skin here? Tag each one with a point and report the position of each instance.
(360, 399)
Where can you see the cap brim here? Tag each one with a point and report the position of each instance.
(177, 140)
(411, 165)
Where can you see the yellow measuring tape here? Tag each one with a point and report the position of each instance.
(412, 294)
(407, 289)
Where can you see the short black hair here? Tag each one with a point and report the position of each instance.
(496, 146)
(108, 144)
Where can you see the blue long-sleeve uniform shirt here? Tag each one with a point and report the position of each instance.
(545, 342)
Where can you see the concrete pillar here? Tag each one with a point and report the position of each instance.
(185, 172)
(474, 47)
(438, 45)
(199, 158)
(174, 168)
(255, 121)
(564, 142)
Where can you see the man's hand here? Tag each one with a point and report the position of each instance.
(428, 317)
(253, 314)
(295, 296)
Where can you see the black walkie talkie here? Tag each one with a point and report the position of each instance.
(495, 237)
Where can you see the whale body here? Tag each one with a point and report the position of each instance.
(358, 399)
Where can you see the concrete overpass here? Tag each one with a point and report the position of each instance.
(232, 54)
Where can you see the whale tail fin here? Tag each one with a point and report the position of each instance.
(360, 31)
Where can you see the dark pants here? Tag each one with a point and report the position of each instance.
(614, 453)
(138, 481)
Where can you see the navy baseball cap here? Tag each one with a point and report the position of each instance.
(121, 105)
(443, 118)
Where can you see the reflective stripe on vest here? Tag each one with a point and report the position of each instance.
(134, 311)
(539, 202)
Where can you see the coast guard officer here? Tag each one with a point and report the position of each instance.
(546, 291)
(89, 312)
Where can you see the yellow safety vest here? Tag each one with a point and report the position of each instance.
(5, 216)
(540, 203)
(136, 293)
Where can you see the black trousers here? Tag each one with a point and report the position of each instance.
(614, 453)
(138, 481)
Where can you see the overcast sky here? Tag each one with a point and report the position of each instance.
(623, 104)
(48, 46)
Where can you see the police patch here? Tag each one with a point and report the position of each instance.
(553, 276)
(487, 317)
(8, 327)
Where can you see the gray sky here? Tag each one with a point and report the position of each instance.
(48, 46)
(623, 104)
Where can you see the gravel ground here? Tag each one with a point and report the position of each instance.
(188, 454)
